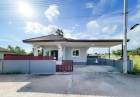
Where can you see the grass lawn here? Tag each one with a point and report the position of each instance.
(136, 62)
(111, 56)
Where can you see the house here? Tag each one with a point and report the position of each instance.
(62, 48)
(2, 52)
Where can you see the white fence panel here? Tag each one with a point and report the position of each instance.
(1, 66)
(15, 66)
(42, 66)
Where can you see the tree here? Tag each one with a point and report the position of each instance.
(10, 48)
(16, 50)
(118, 52)
(59, 32)
(130, 52)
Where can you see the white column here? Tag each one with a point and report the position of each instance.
(60, 54)
(35, 50)
(44, 51)
(49, 52)
(64, 49)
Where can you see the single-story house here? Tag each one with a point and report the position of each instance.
(2, 52)
(67, 48)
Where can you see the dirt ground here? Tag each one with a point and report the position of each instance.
(85, 81)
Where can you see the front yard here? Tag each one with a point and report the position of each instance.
(83, 82)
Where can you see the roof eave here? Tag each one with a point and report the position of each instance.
(115, 40)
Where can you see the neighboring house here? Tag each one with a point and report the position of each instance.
(2, 52)
(68, 49)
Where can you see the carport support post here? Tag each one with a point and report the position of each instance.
(109, 52)
(122, 52)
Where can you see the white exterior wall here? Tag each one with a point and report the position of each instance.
(51, 48)
(67, 53)
(1, 55)
(81, 58)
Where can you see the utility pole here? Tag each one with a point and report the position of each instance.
(125, 21)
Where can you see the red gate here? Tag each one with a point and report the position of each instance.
(67, 66)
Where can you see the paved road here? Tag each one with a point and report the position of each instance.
(85, 81)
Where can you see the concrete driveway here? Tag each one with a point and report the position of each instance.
(95, 69)
(83, 82)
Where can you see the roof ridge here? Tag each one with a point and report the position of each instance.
(41, 36)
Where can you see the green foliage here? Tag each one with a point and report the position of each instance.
(136, 63)
(134, 55)
(117, 53)
(16, 50)
(130, 52)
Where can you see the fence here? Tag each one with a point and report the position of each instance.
(67, 66)
(33, 64)
(116, 63)
(27, 64)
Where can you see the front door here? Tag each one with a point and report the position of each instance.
(54, 53)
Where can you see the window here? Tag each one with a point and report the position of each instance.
(75, 52)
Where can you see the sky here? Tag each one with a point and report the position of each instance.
(80, 19)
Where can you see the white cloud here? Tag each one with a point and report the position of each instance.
(136, 15)
(75, 26)
(134, 38)
(109, 29)
(52, 12)
(92, 25)
(90, 5)
(37, 28)
(98, 7)
(134, 34)
(40, 29)
(68, 33)
(101, 28)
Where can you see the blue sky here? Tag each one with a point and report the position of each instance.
(84, 19)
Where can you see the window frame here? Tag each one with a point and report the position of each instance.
(75, 50)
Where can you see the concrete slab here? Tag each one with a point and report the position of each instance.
(94, 69)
